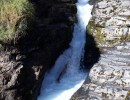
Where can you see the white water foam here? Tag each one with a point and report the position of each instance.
(72, 80)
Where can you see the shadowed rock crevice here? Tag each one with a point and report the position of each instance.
(92, 52)
(24, 63)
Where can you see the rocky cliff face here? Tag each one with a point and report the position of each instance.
(109, 78)
(110, 22)
(23, 64)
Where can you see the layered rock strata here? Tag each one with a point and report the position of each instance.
(110, 22)
(109, 79)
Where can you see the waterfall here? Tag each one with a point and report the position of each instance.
(61, 86)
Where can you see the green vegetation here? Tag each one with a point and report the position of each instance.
(73, 98)
(120, 39)
(14, 16)
(124, 38)
(128, 95)
(100, 38)
(92, 29)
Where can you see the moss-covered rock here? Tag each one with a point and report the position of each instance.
(96, 31)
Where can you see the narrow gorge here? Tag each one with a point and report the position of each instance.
(64, 49)
(65, 77)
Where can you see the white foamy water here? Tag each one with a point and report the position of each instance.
(73, 78)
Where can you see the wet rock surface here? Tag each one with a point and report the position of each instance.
(23, 64)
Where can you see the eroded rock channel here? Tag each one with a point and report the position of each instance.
(24, 61)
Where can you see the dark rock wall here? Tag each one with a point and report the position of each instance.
(23, 65)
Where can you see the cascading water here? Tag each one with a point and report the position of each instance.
(61, 86)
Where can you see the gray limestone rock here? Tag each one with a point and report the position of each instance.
(110, 22)
(109, 78)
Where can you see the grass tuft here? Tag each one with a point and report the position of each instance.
(13, 18)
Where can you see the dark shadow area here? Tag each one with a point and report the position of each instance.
(92, 52)
(48, 35)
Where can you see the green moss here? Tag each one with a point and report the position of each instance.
(14, 15)
(92, 29)
(124, 38)
(121, 39)
(113, 42)
(107, 18)
(96, 31)
(73, 98)
(128, 95)
(91, 26)
(99, 37)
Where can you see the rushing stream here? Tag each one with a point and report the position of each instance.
(65, 78)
